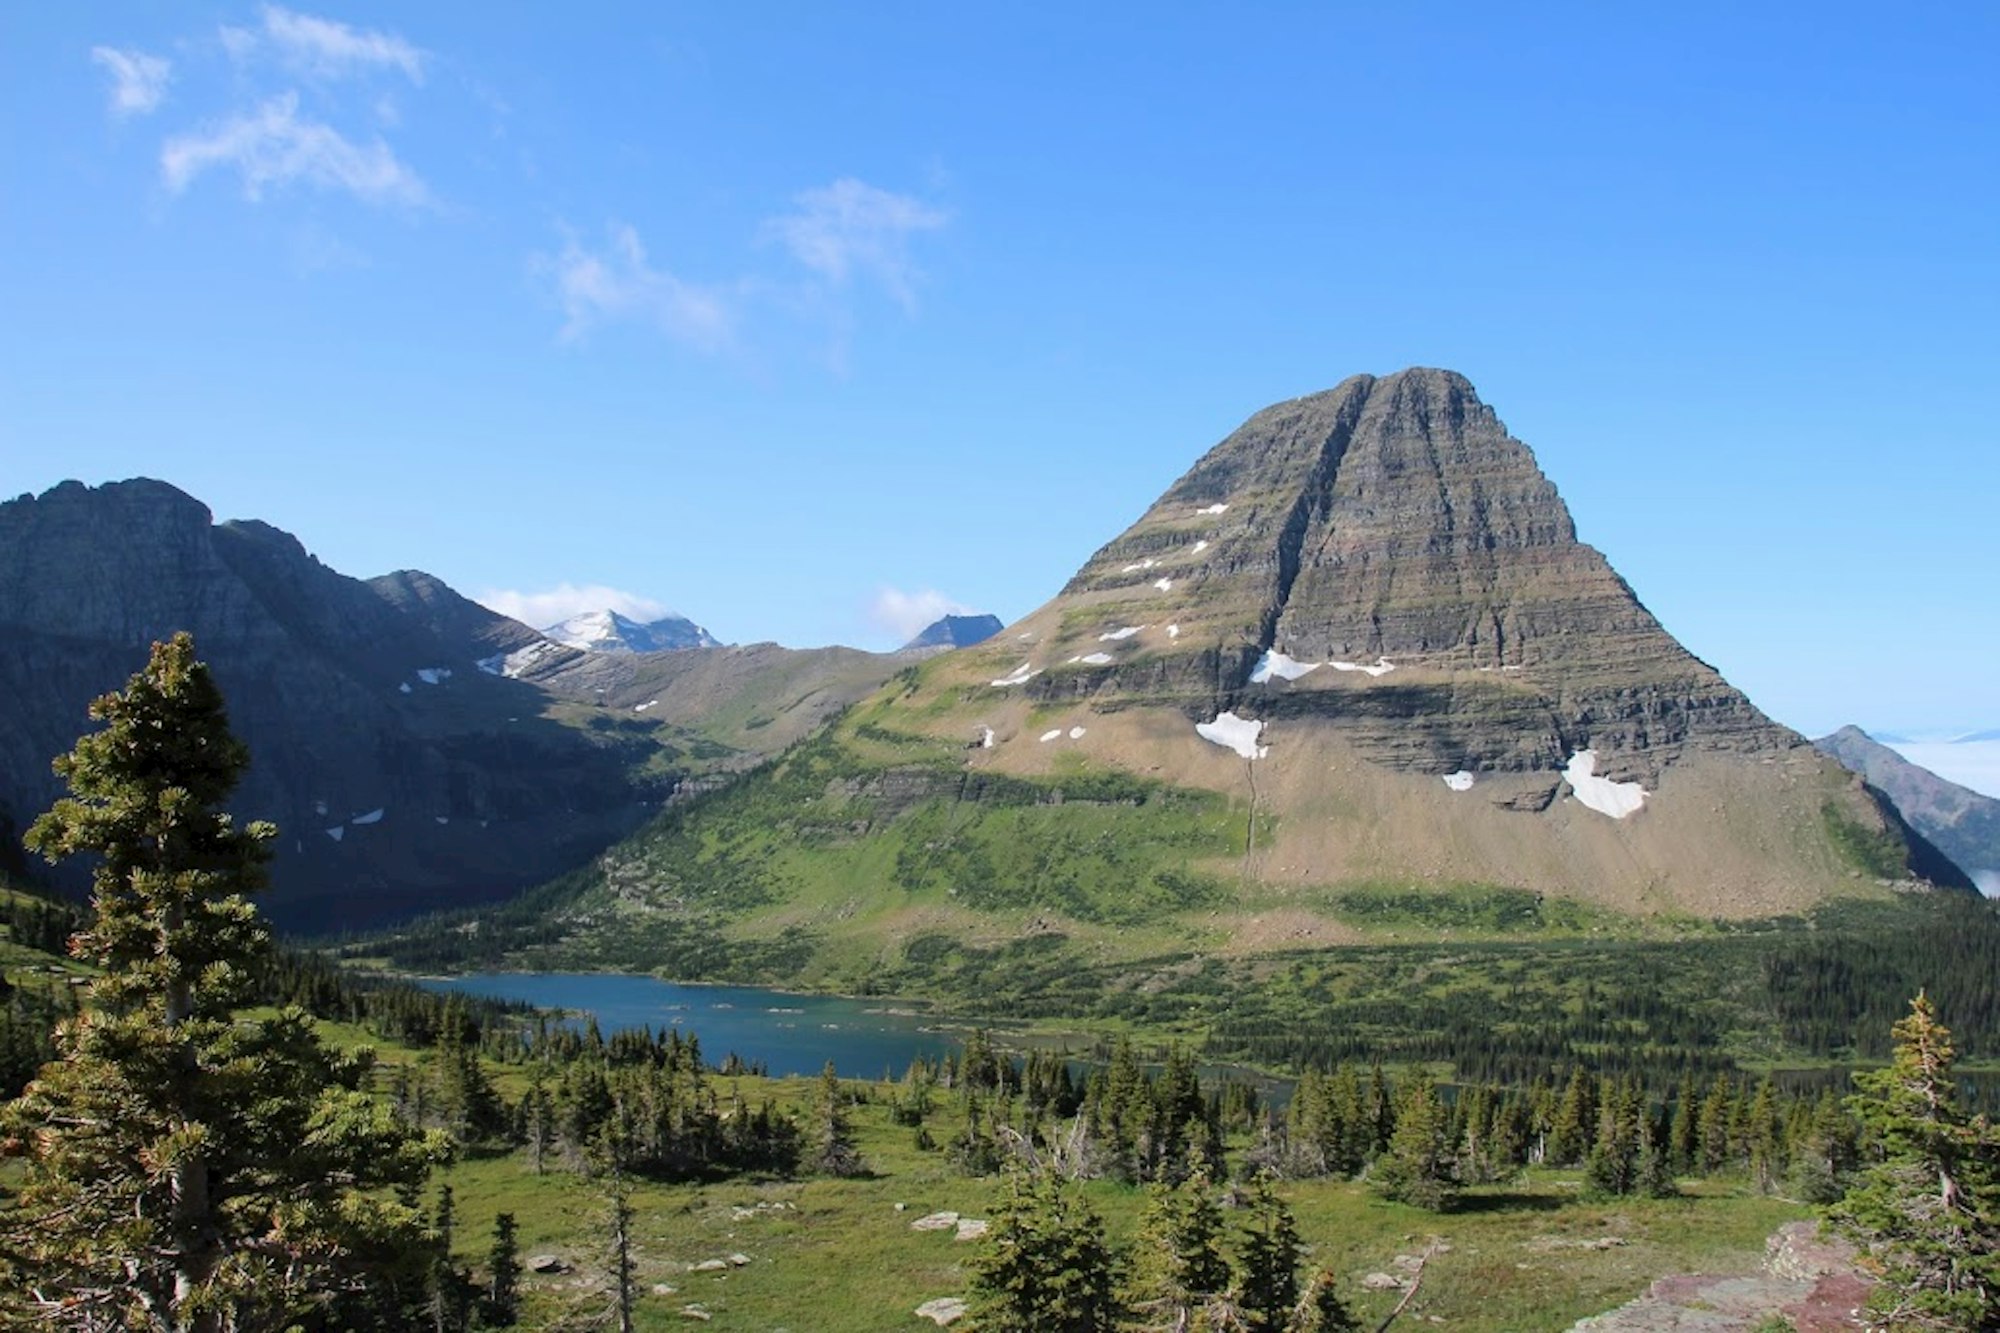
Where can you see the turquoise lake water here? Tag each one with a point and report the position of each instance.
(787, 1033)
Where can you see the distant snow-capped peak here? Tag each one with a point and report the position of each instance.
(609, 632)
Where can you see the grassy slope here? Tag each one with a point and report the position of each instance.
(839, 1256)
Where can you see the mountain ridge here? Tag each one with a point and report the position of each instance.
(1962, 823)
(404, 778)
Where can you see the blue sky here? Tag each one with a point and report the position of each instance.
(806, 322)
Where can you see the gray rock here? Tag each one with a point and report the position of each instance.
(942, 1311)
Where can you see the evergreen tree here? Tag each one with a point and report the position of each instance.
(501, 1304)
(1928, 1209)
(624, 1272)
(451, 1293)
(1421, 1165)
(1827, 1152)
(1267, 1267)
(834, 1153)
(1570, 1137)
(1047, 1268)
(187, 1169)
(1179, 1263)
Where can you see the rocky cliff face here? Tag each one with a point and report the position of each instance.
(1392, 531)
(402, 776)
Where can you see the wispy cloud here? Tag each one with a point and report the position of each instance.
(324, 48)
(559, 603)
(620, 283)
(852, 228)
(905, 614)
(274, 146)
(138, 81)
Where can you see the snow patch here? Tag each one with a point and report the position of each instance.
(520, 661)
(1381, 666)
(1201, 546)
(337, 832)
(319, 807)
(1020, 675)
(1138, 565)
(1164, 585)
(442, 819)
(404, 687)
(1048, 736)
(1616, 799)
(1459, 781)
(986, 738)
(1094, 659)
(1234, 733)
(640, 708)
(1173, 631)
(1275, 663)
(1076, 733)
(433, 675)
(1125, 632)
(1213, 509)
(372, 817)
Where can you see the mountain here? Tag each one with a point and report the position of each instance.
(1356, 656)
(1961, 823)
(609, 632)
(954, 632)
(402, 776)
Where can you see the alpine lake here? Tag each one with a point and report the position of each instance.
(785, 1033)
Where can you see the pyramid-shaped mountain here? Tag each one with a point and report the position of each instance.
(1357, 649)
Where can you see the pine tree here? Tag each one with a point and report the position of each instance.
(1179, 1263)
(1928, 1210)
(624, 1271)
(1047, 1268)
(501, 1305)
(1267, 1268)
(187, 1169)
(1421, 1165)
(834, 1153)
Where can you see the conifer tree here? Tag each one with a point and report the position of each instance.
(501, 1304)
(1047, 1268)
(1179, 1263)
(187, 1169)
(1421, 1165)
(1267, 1268)
(1928, 1210)
(834, 1153)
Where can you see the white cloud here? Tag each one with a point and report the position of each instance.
(905, 614)
(617, 283)
(275, 146)
(559, 603)
(324, 48)
(138, 81)
(852, 228)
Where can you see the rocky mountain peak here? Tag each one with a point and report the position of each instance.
(608, 631)
(1392, 529)
(954, 631)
